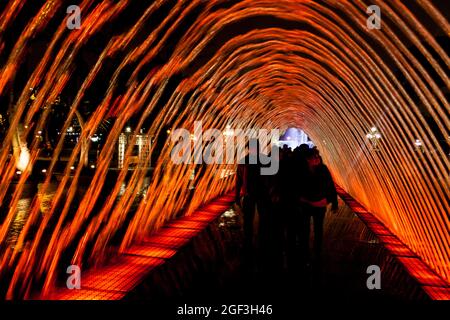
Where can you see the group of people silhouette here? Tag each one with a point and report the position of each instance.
(301, 191)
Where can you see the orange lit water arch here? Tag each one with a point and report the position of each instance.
(244, 64)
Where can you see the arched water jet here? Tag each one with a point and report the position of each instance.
(335, 79)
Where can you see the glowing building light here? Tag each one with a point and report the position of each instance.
(24, 159)
(228, 132)
(374, 136)
(121, 151)
(294, 137)
(94, 138)
(419, 145)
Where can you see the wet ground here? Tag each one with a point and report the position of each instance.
(214, 268)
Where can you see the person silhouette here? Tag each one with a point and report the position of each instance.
(251, 187)
(317, 191)
(291, 172)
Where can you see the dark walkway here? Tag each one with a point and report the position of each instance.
(200, 259)
(213, 268)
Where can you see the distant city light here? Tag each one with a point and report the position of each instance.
(228, 132)
(19, 172)
(24, 159)
(72, 168)
(374, 136)
(95, 138)
(44, 170)
(294, 137)
(419, 145)
(92, 166)
(70, 129)
(128, 129)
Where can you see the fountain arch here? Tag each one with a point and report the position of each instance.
(308, 64)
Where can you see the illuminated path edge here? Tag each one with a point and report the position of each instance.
(116, 280)
(433, 285)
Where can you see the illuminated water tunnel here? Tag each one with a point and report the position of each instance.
(371, 94)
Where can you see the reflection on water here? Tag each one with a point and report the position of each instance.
(215, 266)
(23, 211)
(18, 222)
(45, 199)
(142, 190)
(229, 219)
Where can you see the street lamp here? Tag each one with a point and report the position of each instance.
(228, 132)
(374, 136)
(419, 146)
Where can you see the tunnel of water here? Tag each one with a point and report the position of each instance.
(374, 101)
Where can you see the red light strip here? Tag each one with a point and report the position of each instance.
(167, 242)
(178, 233)
(188, 225)
(431, 283)
(114, 281)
